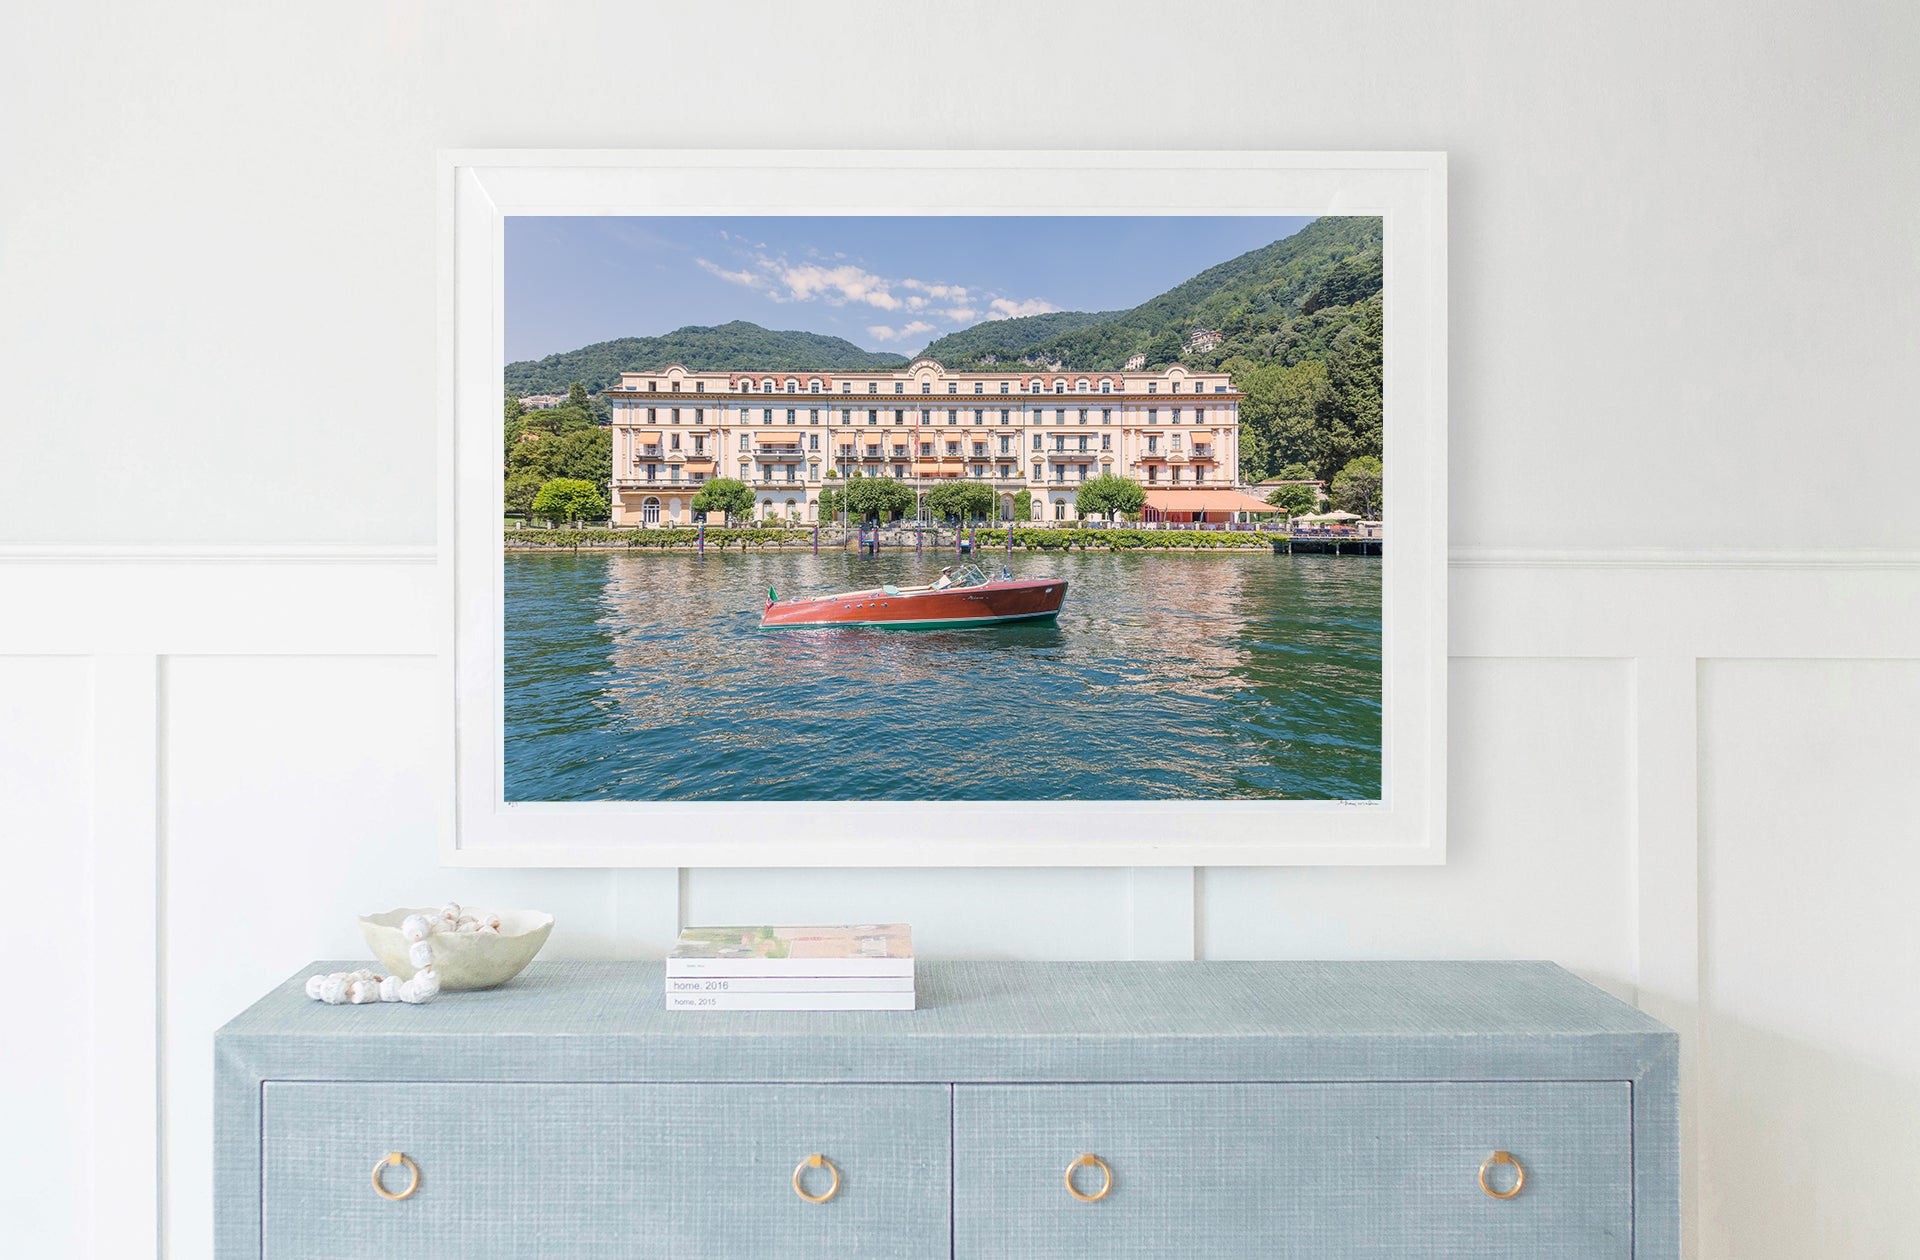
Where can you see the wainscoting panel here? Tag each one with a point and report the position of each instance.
(47, 1036)
(1809, 1063)
(1684, 775)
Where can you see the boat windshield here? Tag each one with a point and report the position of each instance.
(969, 575)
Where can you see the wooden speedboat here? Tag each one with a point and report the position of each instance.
(961, 597)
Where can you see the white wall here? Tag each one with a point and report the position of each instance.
(1684, 275)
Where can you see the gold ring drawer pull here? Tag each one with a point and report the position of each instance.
(1519, 1175)
(1106, 1175)
(816, 1161)
(394, 1159)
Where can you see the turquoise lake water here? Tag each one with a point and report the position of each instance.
(641, 677)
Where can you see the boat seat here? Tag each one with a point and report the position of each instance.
(889, 590)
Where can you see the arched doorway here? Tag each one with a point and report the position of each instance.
(650, 511)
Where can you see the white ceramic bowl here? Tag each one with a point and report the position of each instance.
(462, 960)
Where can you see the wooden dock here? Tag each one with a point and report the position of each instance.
(1328, 545)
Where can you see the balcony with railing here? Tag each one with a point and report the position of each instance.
(778, 451)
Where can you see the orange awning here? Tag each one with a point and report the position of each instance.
(1206, 501)
(649, 437)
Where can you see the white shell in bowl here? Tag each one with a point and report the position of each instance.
(462, 960)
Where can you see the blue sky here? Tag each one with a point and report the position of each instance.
(883, 283)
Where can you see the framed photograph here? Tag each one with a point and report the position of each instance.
(945, 508)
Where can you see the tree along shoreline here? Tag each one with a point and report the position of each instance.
(985, 540)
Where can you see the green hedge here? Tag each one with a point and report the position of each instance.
(1125, 539)
(654, 538)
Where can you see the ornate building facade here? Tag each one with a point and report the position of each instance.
(790, 435)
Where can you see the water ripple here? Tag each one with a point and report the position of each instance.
(647, 677)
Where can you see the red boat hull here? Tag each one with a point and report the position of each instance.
(995, 603)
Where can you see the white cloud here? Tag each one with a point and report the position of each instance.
(951, 292)
(881, 332)
(747, 278)
(846, 284)
(1005, 308)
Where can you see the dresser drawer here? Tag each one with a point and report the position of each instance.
(580, 1171)
(1309, 1170)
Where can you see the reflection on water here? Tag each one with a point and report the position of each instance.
(647, 677)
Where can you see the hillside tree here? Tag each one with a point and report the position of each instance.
(1360, 487)
(729, 496)
(570, 499)
(1111, 496)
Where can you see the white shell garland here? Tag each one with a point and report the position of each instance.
(360, 987)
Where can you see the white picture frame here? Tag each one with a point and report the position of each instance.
(480, 189)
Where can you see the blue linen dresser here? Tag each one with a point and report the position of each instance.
(1027, 1109)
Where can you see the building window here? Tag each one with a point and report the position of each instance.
(813, 441)
(1153, 443)
(926, 387)
(813, 415)
(650, 415)
(899, 387)
(699, 415)
(873, 387)
(766, 416)
(1006, 445)
(1176, 474)
(674, 442)
(1106, 387)
(1059, 387)
(1036, 441)
(699, 387)
(926, 450)
(899, 416)
(1059, 510)
(953, 416)
(1153, 415)
(790, 415)
(1153, 387)
(1036, 470)
(813, 387)
(1083, 442)
(1106, 441)
(1006, 417)
(1083, 415)
(873, 417)
(1153, 473)
(699, 444)
(953, 387)
(979, 417)
(1199, 472)
(1176, 387)
(653, 387)
(979, 387)
(1003, 387)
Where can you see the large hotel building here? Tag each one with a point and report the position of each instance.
(1175, 432)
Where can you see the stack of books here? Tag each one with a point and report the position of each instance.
(863, 967)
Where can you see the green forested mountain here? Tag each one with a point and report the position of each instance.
(1005, 341)
(723, 348)
(1300, 329)
(1253, 301)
